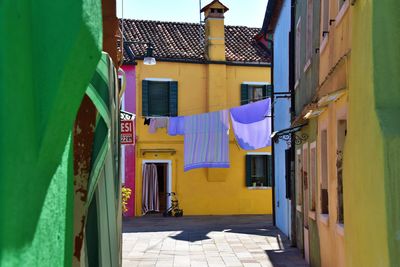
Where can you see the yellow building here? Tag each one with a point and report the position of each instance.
(332, 95)
(199, 69)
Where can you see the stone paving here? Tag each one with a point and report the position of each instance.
(207, 241)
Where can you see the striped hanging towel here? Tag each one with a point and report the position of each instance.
(206, 140)
(150, 199)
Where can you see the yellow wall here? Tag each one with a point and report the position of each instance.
(365, 162)
(335, 61)
(202, 191)
(331, 234)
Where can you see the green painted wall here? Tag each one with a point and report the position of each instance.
(47, 57)
(372, 152)
(386, 58)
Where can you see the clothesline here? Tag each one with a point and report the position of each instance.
(169, 114)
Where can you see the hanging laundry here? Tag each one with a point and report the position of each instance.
(146, 121)
(251, 124)
(206, 142)
(150, 199)
(176, 126)
(156, 123)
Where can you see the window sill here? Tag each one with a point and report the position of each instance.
(342, 12)
(258, 187)
(311, 215)
(307, 65)
(340, 229)
(324, 218)
(299, 208)
(323, 43)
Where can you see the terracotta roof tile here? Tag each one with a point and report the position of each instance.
(181, 41)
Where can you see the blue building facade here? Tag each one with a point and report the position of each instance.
(277, 22)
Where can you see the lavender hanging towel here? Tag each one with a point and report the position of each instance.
(156, 123)
(176, 126)
(206, 141)
(251, 124)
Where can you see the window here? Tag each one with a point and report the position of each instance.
(313, 175)
(251, 93)
(305, 184)
(341, 137)
(258, 170)
(324, 172)
(324, 18)
(309, 32)
(341, 2)
(299, 175)
(298, 52)
(159, 98)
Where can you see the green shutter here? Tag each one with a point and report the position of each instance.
(244, 94)
(159, 99)
(269, 170)
(248, 171)
(268, 90)
(145, 98)
(173, 98)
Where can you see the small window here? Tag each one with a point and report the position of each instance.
(324, 18)
(297, 52)
(299, 178)
(309, 32)
(313, 175)
(252, 93)
(341, 137)
(324, 172)
(341, 3)
(159, 98)
(258, 171)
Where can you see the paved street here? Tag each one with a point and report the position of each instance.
(207, 241)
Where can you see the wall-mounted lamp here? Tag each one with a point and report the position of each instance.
(148, 58)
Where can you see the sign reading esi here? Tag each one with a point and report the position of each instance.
(127, 137)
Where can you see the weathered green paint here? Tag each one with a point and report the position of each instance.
(372, 195)
(387, 92)
(47, 58)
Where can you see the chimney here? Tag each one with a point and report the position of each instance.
(214, 30)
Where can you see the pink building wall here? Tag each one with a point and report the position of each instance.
(130, 156)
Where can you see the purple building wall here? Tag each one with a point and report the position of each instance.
(129, 153)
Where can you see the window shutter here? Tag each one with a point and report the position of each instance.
(268, 90)
(248, 171)
(269, 170)
(173, 98)
(244, 94)
(145, 98)
(288, 174)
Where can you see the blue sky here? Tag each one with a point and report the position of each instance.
(241, 12)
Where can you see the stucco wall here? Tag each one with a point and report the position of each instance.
(372, 228)
(216, 191)
(282, 114)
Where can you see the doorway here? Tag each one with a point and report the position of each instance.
(161, 188)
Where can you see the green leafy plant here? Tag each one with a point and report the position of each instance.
(126, 195)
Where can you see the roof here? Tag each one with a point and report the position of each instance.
(178, 41)
(212, 3)
(271, 15)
